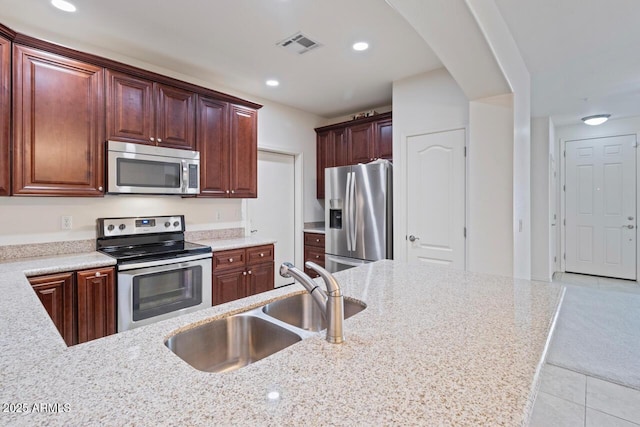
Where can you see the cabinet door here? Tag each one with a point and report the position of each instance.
(130, 109)
(341, 148)
(213, 144)
(383, 140)
(175, 117)
(228, 286)
(56, 294)
(325, 158)
(58, 125)
(96, 304)
(244, 152)
(5, 114)
(359, 142)
(260, 278)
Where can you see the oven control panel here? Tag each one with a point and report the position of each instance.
(110, 227)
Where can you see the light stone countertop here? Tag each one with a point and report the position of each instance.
(433, 347)
(314, 230)
(236, 243)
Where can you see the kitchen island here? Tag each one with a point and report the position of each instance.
(433, 347)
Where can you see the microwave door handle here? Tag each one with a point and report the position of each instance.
(185, 176)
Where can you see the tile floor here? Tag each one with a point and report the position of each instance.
(568, 398)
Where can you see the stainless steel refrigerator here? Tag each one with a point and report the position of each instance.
(358, 214)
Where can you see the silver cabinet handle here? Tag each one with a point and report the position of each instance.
(233, 191)
(159, 140)
(413, 238)
(227, 191)
(152, 139)
(630, 227)
(230, 259)
(100, 188)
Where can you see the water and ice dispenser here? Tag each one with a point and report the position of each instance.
(335, 213)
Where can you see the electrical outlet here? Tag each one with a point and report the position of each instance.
(66, 222)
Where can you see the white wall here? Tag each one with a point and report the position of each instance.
(513, 68)
(37, 219)
(540, 199)
(490, 186)
(424, 103)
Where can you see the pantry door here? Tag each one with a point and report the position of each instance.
(600, 200)
(436, 198)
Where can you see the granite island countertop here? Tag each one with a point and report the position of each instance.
(433, 347)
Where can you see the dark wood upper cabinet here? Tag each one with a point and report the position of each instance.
(130, 109)
(353, 142)
(383, 140)
(96, 303)
(56, 294)
(325, 158)
(145, 112)
(213, 144)
(243, 146)
(58, 124)
(5, 115)
(175, 118)
(360, 143)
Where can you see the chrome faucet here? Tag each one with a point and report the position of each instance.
(330, 301)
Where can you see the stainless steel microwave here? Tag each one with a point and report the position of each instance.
(147, 169)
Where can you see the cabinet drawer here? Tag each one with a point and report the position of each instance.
(260, 254)
(225, 260)
(314, 255)
(314, 239)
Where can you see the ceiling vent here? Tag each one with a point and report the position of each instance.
(298, 43)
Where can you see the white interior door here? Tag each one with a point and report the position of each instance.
(435, 198)
(272, 213)
(601, 206)
(553, 212)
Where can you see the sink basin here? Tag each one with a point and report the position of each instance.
(230, 343)
(300, 311)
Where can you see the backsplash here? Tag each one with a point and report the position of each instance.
(9, 252)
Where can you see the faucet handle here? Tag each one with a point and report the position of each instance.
(333, 287)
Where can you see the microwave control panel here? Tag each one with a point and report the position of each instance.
(110, 227)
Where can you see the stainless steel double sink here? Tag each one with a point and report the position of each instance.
(232, 342)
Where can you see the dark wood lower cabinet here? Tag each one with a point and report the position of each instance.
(96, 304)
(56, 294)
(228, 286)
(314, 251)
(81, 304)
(260, 278)
(238, 273)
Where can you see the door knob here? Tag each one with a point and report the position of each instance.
(413, 238)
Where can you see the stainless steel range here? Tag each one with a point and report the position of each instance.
(159, 274)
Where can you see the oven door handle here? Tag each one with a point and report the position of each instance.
(170, 263)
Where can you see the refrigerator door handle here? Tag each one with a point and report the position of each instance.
(352, 205)
(347, 208)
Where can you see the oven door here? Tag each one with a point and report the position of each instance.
(147, 294)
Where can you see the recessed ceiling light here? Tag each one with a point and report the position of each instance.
(360, 46)
(63, 5)
(596, 120)
(272, 83)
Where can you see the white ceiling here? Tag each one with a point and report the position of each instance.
(582, 54)
(233, 44)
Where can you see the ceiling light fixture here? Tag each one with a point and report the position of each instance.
(596, 120)
(63, 5)
(272, 83)
(360, 46)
